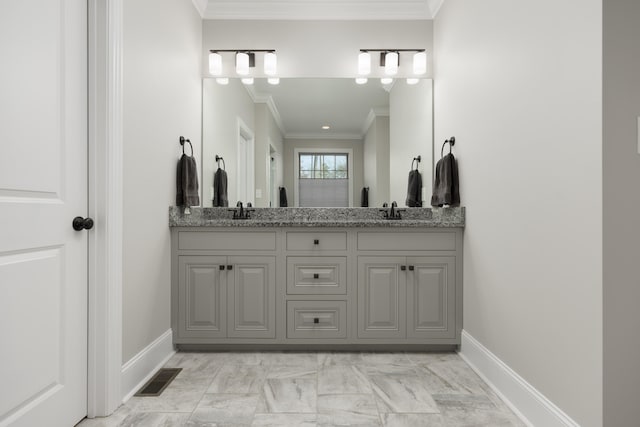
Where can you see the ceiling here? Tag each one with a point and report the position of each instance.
(319, 9)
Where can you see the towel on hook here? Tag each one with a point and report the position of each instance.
(364, 197)
(187, 182)
(220, 197)
(414, 189)
(283, 197)
(446, 185)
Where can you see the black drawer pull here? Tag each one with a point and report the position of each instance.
(411, 268)
(222, 267)
(316, 241)
(229, 267)
(316, 276)
(316, 320)
(403, 267)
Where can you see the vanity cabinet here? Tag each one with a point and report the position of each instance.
(331, 287)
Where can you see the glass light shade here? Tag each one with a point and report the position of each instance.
(386, 80)
(361, 80)
(247, 80)
(242, 63)
(215, 64)
(364, 63)
(222, 80)
(273, 80)
(420, 63)
(270, 63)
(391, 63)
(412, 81)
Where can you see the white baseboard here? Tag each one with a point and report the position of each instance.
(137, 371)
(533, 408)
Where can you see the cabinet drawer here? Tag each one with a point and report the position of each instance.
(410, 241)
(316, 319)
(320, 241)
(316, 275)
(227, 240)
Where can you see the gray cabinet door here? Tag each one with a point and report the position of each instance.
(431, 297)
(252, 302)
(381, 297)
(202, 297)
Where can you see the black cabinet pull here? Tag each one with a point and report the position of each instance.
(222, 267)
(229, 267)
(411, 268)
(316, 276)
(316, 241)
(403, 267)
(316, 320)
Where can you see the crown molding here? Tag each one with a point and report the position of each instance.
(434, 6)
(373, 113)
(320, 135)
(321, 9)
(260, 98)
(201, 6)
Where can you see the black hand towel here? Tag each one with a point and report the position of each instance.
(414, 189)
(187, 182)
(364, 197)
(446, 185)
(283, 197)
(220, 197)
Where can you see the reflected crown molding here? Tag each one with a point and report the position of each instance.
(320, 136)
(373, 113)
(321, 9)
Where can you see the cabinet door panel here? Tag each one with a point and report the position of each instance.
(252, 297)
(381, 297)
(202, 297)
(431, 297)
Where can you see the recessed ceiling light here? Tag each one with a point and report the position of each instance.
(326, 127)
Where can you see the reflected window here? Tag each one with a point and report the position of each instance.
(323, 180)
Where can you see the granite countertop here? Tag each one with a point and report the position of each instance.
(317, 217)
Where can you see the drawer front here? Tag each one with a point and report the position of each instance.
(309, 241)
(410, 241)
(316, 275)
(227, 240)
(316, 319)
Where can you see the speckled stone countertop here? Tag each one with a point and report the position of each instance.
(317, 217)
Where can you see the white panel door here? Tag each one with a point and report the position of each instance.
(43, 186)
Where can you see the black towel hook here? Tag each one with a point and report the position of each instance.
(182, 141)
(451, 141)
(218, 158)
(417, 161)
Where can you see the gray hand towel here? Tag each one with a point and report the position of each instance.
(446, 185)
(187, 182)
(283, 197)
(220, 197)
(364, 197)
(414, 189)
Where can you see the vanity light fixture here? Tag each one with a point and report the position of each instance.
(390, 61)
(273, 80)
(245, 59)
(361, 80)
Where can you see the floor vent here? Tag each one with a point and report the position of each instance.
(156, 385)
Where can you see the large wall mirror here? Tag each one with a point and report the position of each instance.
(322, 140)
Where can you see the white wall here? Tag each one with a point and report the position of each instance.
(621, 212)
(317, 48)
(222, 106)
(376, 161)
(289, 157)
(410, 135)
(519, 85)
(162, 92)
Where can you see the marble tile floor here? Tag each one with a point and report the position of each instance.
(317, 389)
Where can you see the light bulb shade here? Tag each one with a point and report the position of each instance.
(386, 80)
(391, 63)
(222, 80)
(247, 80)
(420, 63)
(270, 63)
(364, 63)
(215, 64)
(273, 80)
(361, 80)
(412, 81)
(242, 63)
